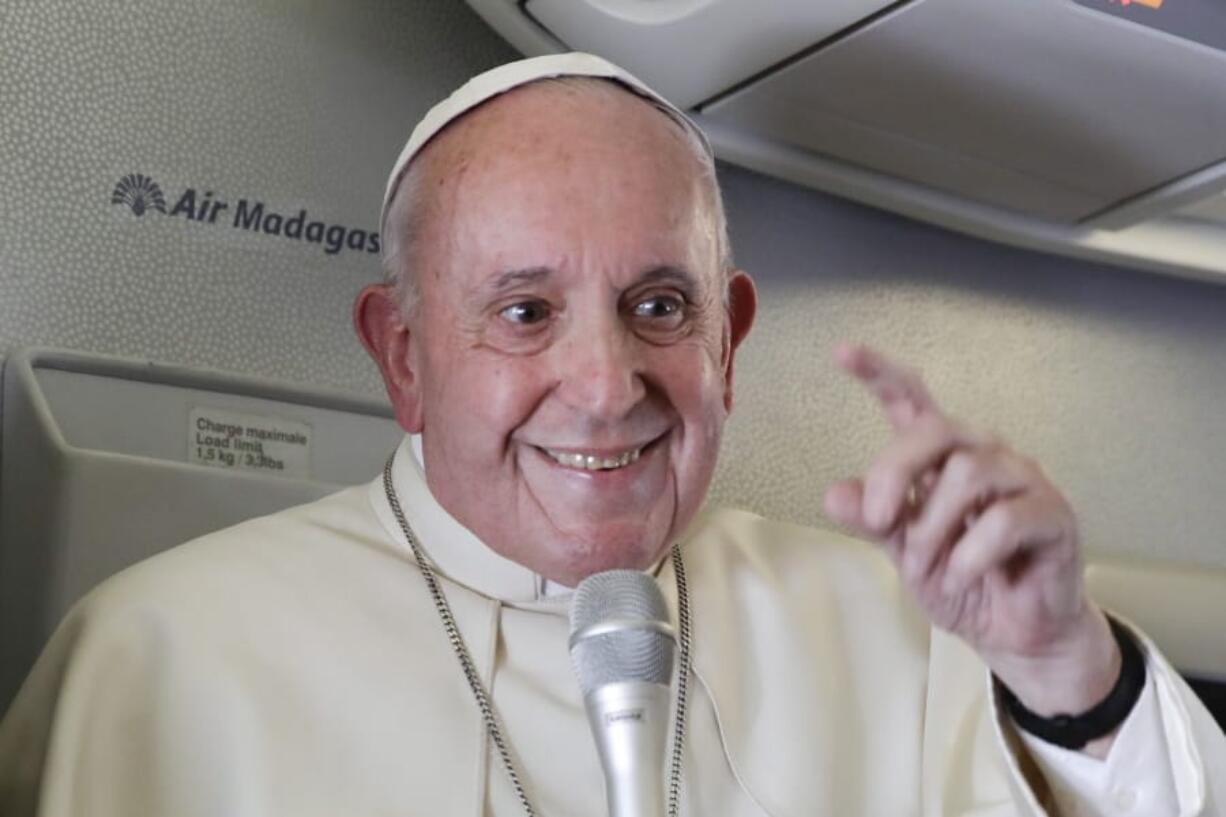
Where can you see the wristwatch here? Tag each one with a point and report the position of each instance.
(1075, 731)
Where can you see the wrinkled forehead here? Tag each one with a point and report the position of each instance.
(538, 132)
(498, 81)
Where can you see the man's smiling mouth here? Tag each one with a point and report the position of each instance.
(594, 462)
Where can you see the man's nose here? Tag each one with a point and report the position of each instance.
(600, 371)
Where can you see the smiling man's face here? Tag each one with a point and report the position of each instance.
(569, 358)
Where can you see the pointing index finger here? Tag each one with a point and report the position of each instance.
(900, 390)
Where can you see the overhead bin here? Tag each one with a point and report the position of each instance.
(1045, 108)
(1201, 21)
(691, 50)
(109, 461)
(1042, 107)
(1072, 126)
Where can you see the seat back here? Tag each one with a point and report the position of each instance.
(1181, 607)
(107, 462)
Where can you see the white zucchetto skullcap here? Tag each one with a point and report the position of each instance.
(499, 80)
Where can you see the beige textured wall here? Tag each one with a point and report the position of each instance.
(300, 105)
(1114, 379)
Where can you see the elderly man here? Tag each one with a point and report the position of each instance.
(558, 333)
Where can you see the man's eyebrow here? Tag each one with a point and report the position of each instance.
(671, 274)
(659, 274)
(509, 279)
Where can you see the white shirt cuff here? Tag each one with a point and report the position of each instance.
(1136, 778)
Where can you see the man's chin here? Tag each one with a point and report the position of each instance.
(608, 547)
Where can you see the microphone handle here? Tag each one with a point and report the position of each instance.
(629, 721)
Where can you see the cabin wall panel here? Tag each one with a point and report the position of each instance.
(292, 106)
(1115, 380)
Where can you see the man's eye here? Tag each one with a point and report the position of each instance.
(526, 312)
(661, 306)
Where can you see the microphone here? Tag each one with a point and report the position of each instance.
(621, 646)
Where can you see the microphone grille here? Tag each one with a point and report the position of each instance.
(625, 655)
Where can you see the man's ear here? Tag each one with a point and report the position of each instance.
(742, 306)
(380, 326)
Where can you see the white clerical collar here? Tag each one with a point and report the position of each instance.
(453, 549)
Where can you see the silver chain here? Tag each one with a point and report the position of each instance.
(483, 698)
(683, 679)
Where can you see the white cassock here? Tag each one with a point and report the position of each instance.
(295, 665)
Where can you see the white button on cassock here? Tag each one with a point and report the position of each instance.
(1124, 799)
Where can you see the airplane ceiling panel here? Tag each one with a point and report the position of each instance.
(1210, 211)
(1201, 21)
(691, 50)
(1041, 107)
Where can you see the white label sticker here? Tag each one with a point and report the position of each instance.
(249, 442)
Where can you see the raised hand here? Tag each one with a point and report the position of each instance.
(983, 540)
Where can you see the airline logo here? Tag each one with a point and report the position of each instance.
(1153, 4)
(141, 194)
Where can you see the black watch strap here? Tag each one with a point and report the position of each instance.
(1075, 731)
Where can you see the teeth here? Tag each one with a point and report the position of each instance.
(590, 462)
